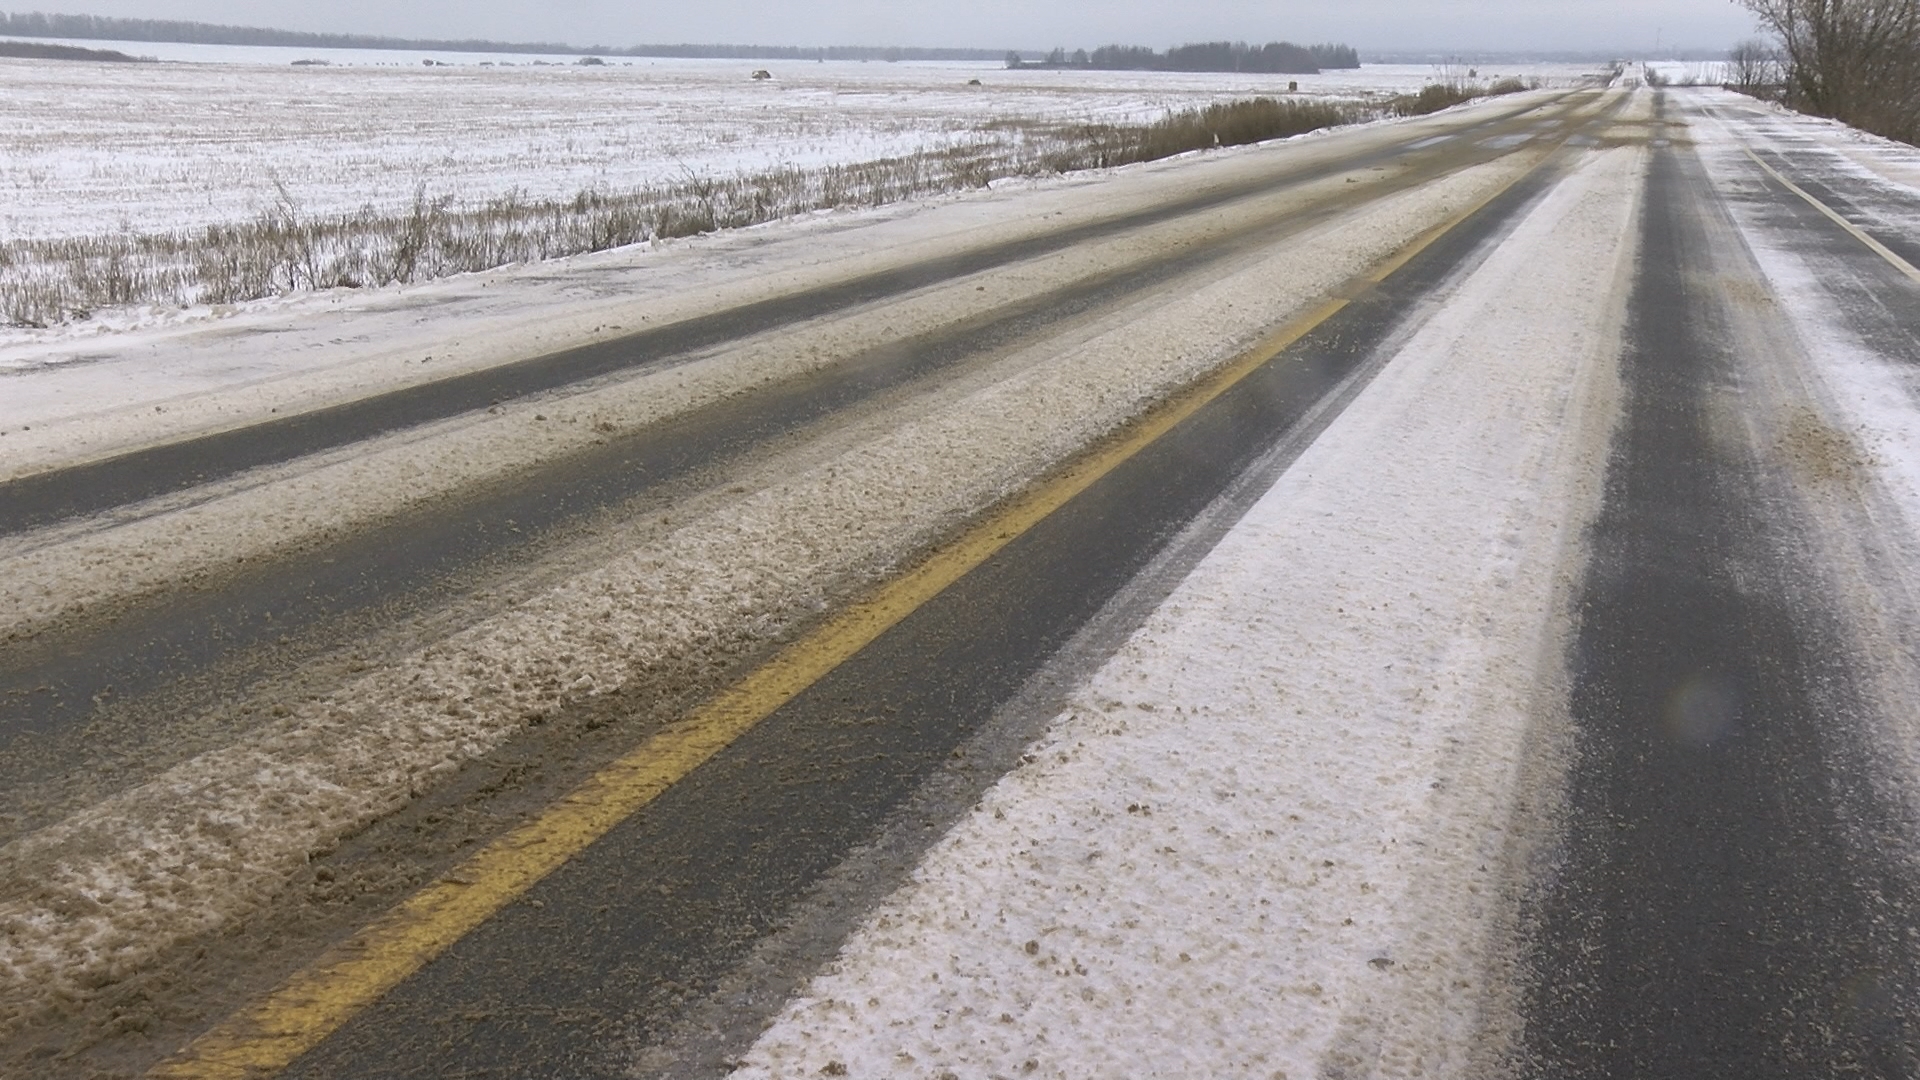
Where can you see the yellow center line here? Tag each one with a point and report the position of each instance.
(273, 1032)
(1859, 234)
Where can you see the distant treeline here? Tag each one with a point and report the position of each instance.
(1275, 57)
(20, 50)
(105, 28)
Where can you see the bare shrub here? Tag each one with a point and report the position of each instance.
(1240, 123)
(1433, 97)
(1857, 61)
(1754, 67)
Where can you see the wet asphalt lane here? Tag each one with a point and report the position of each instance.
(1725, 905)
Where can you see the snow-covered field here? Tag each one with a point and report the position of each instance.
(95, 148)
(132, 192)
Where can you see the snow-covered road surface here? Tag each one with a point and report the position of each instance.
(1299, 806)
(1274, 834)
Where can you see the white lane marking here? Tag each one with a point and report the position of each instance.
(1859, 234)
(1424, 143)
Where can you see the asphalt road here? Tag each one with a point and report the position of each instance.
(641, 929)
(249, 626)
(1723, 898)
(107, 685)
(1729, 902)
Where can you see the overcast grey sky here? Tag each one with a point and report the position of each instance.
(1624, 25)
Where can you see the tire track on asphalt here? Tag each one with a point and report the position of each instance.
(1725, 906)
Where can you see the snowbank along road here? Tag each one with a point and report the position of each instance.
(1433, 599)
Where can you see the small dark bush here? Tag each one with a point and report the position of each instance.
(1432, 98)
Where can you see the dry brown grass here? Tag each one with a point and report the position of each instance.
(284, 250)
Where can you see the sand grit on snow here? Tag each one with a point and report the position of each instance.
(116, 884)
(1268, 839)
(1852, 389)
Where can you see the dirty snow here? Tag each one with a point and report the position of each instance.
(118, 882)
(98, 148)
(58, 573)
(1271, 837)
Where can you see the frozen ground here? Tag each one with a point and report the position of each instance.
(91, 148)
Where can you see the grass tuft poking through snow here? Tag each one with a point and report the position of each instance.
(283, 249)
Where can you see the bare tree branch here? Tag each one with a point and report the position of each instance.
(1857, 61)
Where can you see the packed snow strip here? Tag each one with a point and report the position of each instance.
(112, 886)
(60, 573)
(1267, 838)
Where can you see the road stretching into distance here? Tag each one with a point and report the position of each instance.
(634, 881)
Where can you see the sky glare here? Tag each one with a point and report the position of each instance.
(1627, 26)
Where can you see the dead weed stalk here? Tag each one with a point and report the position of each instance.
(284, 249)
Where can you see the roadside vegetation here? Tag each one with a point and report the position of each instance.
(28, 50)
(285, 249)
(1856, 61)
